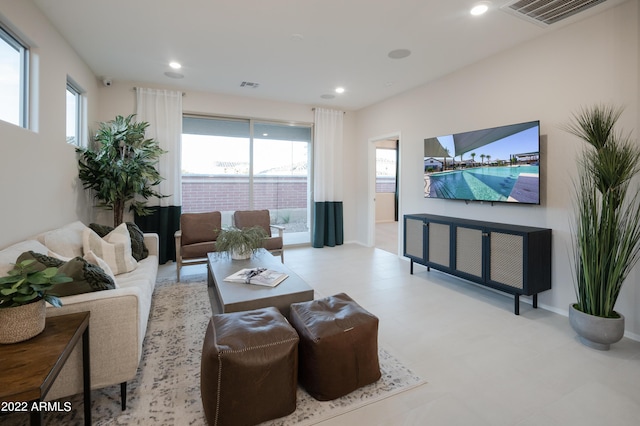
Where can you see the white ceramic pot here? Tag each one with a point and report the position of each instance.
(596, 332)
(237, 255)
(22, 322)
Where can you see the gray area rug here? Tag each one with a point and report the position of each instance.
(166, 390)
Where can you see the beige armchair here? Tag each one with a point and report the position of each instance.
(196, 237)
(249, 218)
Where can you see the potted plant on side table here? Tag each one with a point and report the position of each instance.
(606, 234)
(23, 293)
(240, 243)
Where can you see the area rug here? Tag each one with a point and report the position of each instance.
(166, 390)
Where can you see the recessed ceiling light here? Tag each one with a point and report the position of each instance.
(175, 65)
(173, 74)
(399, 53)
(480, 8)
(339, 89)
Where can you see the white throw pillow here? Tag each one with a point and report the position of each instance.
(66, 241)
(92, 258)
(9, 255)
(114, 248)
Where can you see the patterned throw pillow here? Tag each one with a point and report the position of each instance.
(114, 248)
(138, 250)
(86, 276)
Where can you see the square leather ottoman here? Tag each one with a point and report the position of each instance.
(249, 370)
(338, 346)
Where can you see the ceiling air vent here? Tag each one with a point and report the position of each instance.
(547, 12)
(249, 85)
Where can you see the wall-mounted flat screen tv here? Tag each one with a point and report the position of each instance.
(501, 164)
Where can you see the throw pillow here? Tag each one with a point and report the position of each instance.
(9, 255)
(93, 259)
(114, 248)
(86, 276)
(66, 241)
(138, 250)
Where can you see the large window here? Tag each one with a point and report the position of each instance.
(13, 79)
(230, 165)
(74, 113)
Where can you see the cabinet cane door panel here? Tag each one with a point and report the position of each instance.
(439, 244)
(507, 259)
(414, 238)
(469, 254)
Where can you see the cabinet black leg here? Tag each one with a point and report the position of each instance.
(411, 267)
(535, 300)
(516, 307)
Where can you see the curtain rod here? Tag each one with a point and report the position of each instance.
(313, 109)
(136, 88)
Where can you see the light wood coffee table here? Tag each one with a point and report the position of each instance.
(236, 297)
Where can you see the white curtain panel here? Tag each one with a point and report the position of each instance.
(327, 154)
(162, 109)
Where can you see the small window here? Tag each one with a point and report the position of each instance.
(385, 170)
(13, 84)
(74, 113)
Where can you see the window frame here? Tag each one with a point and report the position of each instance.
(78, 94)
(252, 138)
(23, 49)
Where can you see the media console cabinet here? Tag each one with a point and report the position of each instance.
(510, 258)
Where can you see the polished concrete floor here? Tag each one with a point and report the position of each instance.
(483, 364)
(387, 236)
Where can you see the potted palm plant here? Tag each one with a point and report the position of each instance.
(23, 293)
(240, 243)
(606, 234)
(121, 167)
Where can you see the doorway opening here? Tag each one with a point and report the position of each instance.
(384, 166)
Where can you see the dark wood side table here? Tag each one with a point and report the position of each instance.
(29, 368)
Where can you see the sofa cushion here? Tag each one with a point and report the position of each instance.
(9, 255)
(138, 250)
(114, 248)
(86, 277)
(67, 240)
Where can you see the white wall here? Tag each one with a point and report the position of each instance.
(120, 99)
(592, 61)
(38, 172)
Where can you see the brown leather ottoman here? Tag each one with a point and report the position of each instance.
(338, 346)
(249, 370)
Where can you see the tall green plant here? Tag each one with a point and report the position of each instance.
(121, 166)
(607, 229)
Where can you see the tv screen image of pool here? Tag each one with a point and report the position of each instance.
(500, 164)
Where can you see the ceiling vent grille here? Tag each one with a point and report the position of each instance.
(547, 12)
(249, 84)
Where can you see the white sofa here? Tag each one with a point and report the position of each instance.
(119, 316)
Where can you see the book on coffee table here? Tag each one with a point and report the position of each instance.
(258, 276)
